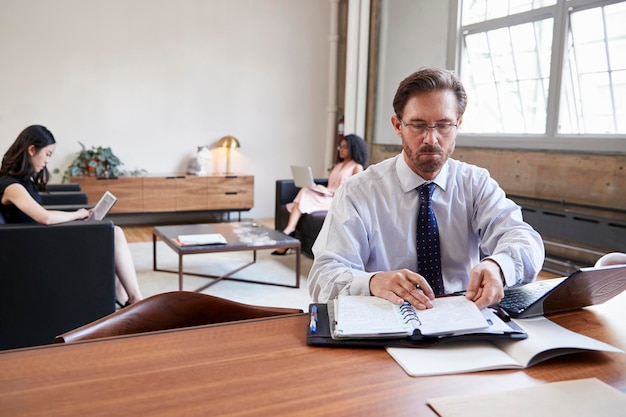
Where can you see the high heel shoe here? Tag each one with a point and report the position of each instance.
(287, 250)
(283, 253)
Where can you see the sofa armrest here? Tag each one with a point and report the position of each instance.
(68, 186)
(286, 191)
(54, 278)
(64, 198)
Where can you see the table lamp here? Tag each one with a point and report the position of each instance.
(228, 142)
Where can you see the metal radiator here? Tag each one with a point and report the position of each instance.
(574, 235)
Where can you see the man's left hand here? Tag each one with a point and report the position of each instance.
(485, 286)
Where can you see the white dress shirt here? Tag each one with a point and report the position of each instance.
(372, 220)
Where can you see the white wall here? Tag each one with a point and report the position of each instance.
(413, 33)
(155, 78)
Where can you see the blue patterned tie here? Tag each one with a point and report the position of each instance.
(428, 250)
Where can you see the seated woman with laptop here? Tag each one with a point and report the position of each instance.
(23, 173)
(352, 157)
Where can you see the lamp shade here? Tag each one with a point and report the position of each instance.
(228, 142)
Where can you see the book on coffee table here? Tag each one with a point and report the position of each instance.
(200, 239)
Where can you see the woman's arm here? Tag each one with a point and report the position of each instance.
(17, 195)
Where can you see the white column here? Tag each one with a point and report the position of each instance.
(333, 39)
(356, 66)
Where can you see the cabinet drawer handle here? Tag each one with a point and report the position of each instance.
(231, 193)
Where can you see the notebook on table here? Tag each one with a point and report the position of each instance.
(368, 322)
(303, 178)
(103, 207)
(584, 287)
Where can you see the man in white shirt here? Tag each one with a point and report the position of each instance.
(367, 245)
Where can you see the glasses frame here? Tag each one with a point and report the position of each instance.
(423, 127)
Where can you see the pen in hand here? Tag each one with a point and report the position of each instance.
(313, 323)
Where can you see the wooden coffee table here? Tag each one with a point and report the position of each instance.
(244, 236)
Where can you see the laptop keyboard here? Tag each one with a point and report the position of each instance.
(518, 299)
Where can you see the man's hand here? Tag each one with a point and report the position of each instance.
(402, 285)
(485, 286)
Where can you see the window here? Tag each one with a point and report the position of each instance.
(552, 69)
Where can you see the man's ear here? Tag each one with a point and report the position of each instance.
(397, 125)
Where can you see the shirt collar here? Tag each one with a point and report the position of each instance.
(409, 180)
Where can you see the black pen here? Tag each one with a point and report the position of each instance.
(313, 323)
(503, 314)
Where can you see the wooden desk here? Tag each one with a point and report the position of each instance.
(264, 368)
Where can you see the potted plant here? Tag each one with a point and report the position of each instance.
(96, 161)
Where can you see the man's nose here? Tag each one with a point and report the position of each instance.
(430, 136)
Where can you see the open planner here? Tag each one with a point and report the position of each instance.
(369, 321)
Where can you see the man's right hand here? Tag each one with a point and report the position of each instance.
(402, 285)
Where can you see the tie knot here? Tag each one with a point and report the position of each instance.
(426, 190)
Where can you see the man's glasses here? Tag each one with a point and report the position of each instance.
(421, 129)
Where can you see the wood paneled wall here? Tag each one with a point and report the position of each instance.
(593, 180)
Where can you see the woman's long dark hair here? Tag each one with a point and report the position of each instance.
(357, 149)
(16, 160)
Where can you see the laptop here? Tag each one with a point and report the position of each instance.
(103, 207)
(303, 178)
(584, 287)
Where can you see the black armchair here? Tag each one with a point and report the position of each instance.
(54, 278)
(309, 225)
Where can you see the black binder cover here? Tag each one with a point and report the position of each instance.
(322, 336)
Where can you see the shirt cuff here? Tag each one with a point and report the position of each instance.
(361, 283)
(507, 267)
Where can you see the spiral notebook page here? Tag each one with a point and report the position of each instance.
(368, 316)
(451, 315)
(363, 316)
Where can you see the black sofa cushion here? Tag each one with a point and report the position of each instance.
(309, 225)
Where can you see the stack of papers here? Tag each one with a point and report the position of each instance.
(583, 397)
(202, 239)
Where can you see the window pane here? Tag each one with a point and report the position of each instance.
(534, 97)
(480, 10)
(592, 94)
(597, 106)
(513, 64)
(616, 35)
(587, 32)
(619, 94)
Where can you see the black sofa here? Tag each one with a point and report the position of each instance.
(53, 279)
(309, 225)
(64, 196)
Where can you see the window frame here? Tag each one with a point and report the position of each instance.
(551, 139)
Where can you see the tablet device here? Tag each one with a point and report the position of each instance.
(103, 207)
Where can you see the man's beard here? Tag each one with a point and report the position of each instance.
(429, 164)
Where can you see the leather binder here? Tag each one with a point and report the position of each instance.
(322, 335)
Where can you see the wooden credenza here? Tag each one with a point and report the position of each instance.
(173, 194)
